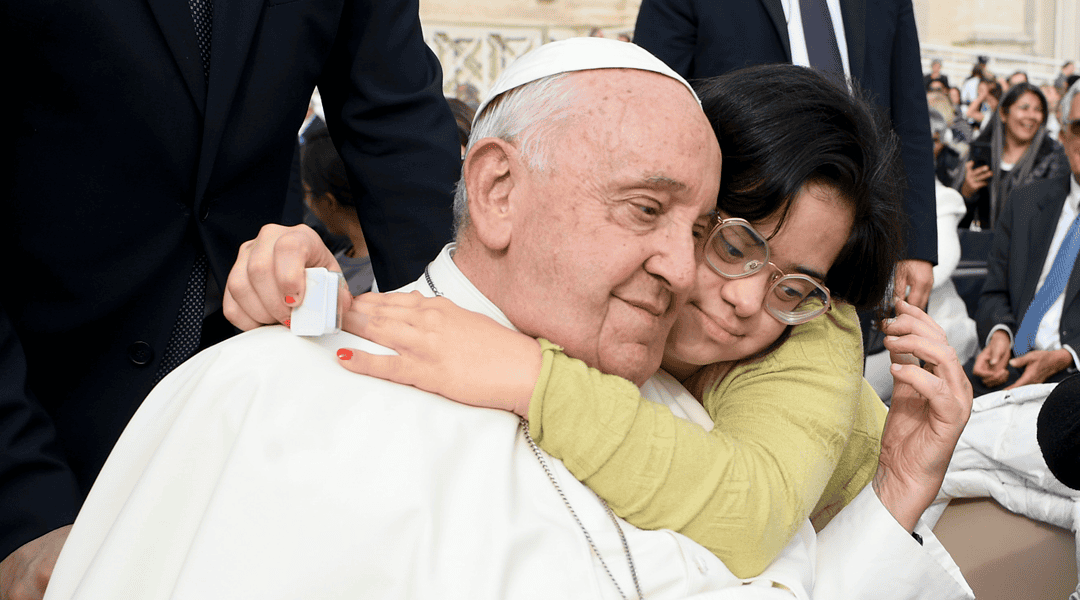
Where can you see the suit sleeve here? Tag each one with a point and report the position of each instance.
(382, 90)
(995, 305)
(38, 492)
(668, 29)
(911, 120)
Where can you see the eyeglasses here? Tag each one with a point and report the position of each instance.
(1074, 127)
(734, 249)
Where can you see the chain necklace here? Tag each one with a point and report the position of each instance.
(551, 477)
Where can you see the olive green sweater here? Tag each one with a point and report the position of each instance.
(796, 435)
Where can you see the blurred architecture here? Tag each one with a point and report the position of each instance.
(474, 40)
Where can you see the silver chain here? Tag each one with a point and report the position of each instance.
(551, 477)
(431, 285)
(588, 538)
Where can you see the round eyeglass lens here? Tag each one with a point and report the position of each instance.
(796, 299)
(735, 249)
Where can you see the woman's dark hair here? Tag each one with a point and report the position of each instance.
(782, 126)
(1020, 89)
(321, 168)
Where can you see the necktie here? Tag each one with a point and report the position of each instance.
(187, 331)
(820, 37)
(1054, 285)
(202, 13)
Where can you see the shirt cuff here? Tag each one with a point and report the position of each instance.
(1075, 360)
(1005, 328)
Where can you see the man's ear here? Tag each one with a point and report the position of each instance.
(490, 170)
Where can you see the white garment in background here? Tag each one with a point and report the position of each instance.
(262, 469)
(946, 307)
(998, 456)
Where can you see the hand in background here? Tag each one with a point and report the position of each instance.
(918, 275)
(25, 573)
(991, 364)
(930, 407)
(268, 278)
(975, 179)
(444, 349)
(1040, 365)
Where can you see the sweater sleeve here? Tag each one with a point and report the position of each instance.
(740, 489)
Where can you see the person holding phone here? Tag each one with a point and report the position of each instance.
(1010, 151)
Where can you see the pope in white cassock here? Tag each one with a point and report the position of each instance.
(262, 469)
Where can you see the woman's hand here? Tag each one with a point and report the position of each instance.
(444, 349)
(930, 407)
(975, 179)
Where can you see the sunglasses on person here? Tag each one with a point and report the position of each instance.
(734, 249)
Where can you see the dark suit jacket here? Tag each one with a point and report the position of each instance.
(128, 164)
(1021, 242)
(706, 38)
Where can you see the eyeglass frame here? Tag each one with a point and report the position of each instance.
(774, 312)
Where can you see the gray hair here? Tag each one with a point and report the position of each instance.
(1067, 100)
(524, 116)
(937, 123)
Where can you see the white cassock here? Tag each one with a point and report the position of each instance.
(261, 469)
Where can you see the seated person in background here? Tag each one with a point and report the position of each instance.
(775, 359)
(327, 194)
(985, 103)
(935, 75)
(299, 478)
(956, 133)
(1029, 309)
(1011, 151)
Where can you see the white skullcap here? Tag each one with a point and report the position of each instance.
(577, 54)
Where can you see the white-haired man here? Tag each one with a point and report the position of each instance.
(263, 469)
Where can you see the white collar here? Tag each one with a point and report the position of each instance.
(452, 283)
(1073, 198)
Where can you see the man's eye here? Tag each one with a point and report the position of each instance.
(647, 209)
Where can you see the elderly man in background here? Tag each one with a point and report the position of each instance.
(263, 469)
(1029, 318)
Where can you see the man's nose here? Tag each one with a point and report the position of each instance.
(675, 261)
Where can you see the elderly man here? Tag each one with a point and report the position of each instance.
(262, 469)
(1029, 317)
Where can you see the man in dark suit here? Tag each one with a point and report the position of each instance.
(152, 138)
(705, 38)
(1029, 309)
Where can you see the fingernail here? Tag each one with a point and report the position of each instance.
(891, 338)
(888, 322)
(896, 367)
(290, 300)
(344, 353)
(287, 322)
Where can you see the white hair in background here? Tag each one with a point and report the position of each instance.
(1067, 99)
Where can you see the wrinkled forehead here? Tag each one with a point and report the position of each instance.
(573, 55)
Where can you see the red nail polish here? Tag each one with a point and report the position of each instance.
(287, 322)
(344, 353)
(290, 300)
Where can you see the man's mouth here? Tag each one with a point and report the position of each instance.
(656, 307)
